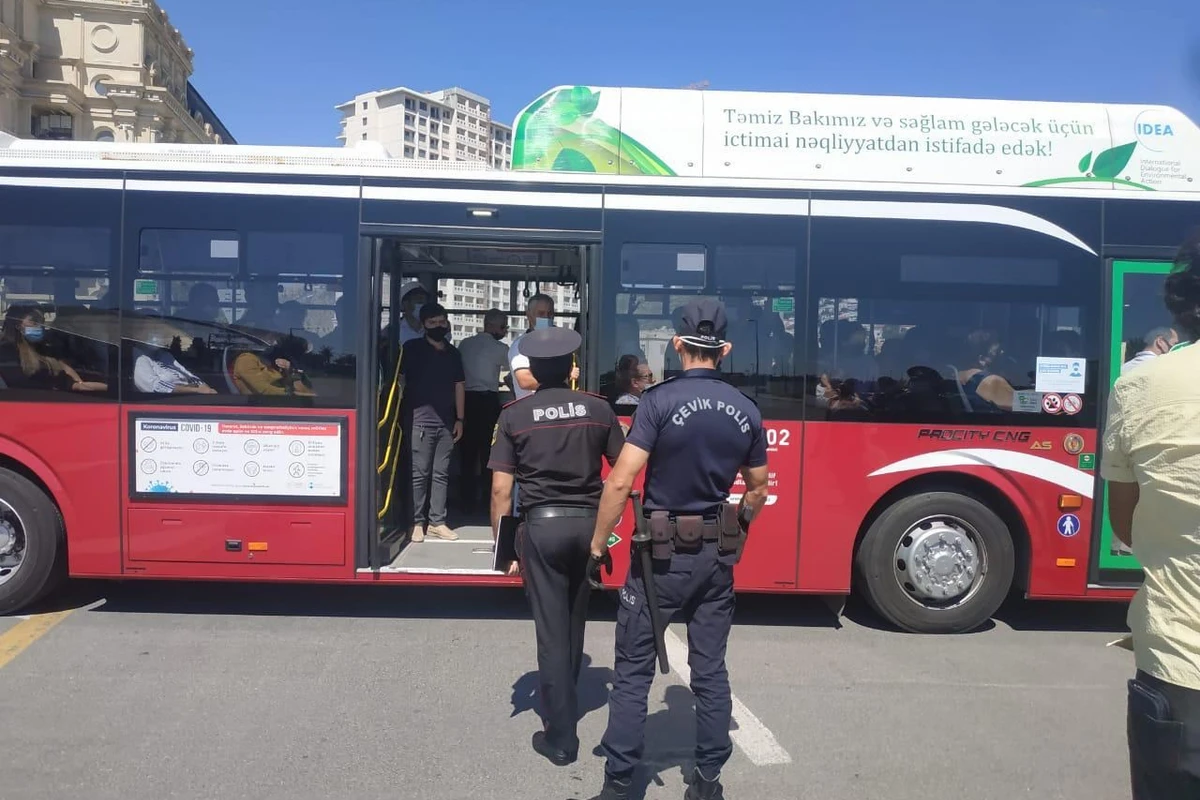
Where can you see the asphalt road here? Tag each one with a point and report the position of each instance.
(153, 691)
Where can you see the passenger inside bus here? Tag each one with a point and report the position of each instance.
(633, 377)
(23, 365)
(157, 370)
(275, 372)
(203, 305)
(983, 390)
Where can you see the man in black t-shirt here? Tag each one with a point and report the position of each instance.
(434, 394)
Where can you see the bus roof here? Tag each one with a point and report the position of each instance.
(857, 138)
(670, 138)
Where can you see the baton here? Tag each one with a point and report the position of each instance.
(641, 545)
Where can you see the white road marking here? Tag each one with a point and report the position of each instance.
(754, 739)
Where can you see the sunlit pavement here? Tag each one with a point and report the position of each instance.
(152, 691)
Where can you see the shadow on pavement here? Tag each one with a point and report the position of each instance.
(594, 683)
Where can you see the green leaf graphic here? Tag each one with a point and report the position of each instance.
(1110, 163)
(570, 160)
(585, 100)
(1085, 163)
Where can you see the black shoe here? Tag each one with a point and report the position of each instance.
(702, 788)
(614, 789)
(554, 755)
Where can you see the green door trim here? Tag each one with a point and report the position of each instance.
(1120, 270)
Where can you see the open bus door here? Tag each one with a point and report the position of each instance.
(1137, 309)
(468, 276)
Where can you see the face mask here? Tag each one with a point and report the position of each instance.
(541, 324)
(35, 333)
(437, 334)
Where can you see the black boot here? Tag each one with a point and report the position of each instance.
(614, 789)
(702, 788)
(559, 758)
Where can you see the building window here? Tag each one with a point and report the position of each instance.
(433, 143)
(52, 125)
(105, 135)
(364, 135)
(409, 119)
(408, 103)
(408, 152)
(364, 105)
(364, 119)
(424, 107)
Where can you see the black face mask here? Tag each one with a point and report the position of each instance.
(437, 334)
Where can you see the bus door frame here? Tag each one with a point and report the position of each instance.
(1098, 576)
(370, 552)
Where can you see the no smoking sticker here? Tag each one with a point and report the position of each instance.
(1071, 404)
(1052, 404)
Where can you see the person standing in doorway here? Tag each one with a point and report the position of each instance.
(1151, 463)
(413, 297)
(484, 358)
(434, 394)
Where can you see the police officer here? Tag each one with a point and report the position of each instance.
(693, 433)
(551, 442)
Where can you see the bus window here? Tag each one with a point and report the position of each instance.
(57, 329)
(951, 322)
(242, 317)
(757, 284)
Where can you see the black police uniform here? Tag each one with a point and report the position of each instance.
(700, 431)
(551, 442)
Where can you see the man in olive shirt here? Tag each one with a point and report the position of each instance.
(1151, 461)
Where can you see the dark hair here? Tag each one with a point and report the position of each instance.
(551, 371)
(431, 310)
(1182, 287)
(706, 354)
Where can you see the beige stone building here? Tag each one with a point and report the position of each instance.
(105, 70)
(446, 125)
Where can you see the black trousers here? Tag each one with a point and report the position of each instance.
(480, 412)
(1163, 727)
(554, 555)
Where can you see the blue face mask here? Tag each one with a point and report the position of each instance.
(542, 323)
(34, 333)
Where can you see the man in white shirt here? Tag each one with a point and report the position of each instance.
(539, 311)
(412, 297)
(157, 371)
(484, 358)
(1158, 342)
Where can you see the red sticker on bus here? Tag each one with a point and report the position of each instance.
(1052, 404)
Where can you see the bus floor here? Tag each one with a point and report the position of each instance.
(470, 554)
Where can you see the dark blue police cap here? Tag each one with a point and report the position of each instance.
(549, 343)
(702, 323)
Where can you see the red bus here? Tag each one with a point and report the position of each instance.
(198, 362)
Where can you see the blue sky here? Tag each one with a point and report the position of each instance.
(274, 69)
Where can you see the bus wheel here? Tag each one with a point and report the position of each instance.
(30, 543)
(936, 562)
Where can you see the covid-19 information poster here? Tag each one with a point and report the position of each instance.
(248, 458)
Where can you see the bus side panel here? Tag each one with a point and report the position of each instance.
(235, 536)
(873, 460)
(70, 450)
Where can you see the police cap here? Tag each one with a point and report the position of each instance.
(702, 323)
(549, 343)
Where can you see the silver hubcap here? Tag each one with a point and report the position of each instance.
(939, 561)
(12, 542)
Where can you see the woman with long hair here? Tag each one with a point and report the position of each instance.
(23, 365)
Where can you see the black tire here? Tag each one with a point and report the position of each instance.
(876, 559)
(43, 568)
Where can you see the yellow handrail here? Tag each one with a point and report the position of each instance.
(392, 452)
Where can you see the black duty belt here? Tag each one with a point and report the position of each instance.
(671, 532)
(551, 512)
